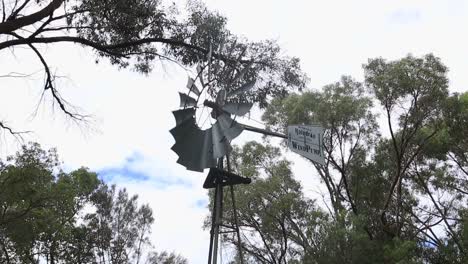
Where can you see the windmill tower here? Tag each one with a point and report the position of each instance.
(200, 148)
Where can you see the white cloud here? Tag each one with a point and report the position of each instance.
(133, 112)
(178, 217)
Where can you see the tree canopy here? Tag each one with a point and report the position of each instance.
(51, 216)
(135, 34)
(395, 173)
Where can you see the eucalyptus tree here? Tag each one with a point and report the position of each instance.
(345, 110)
(439, 175)
(420, 116)
(400, 184)
(166, 258)
(39, 205)
(119, 228)
(277, 222)
(131, 33)
(50, 216)
(280, 224)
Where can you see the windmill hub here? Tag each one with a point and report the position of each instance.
(217, 109)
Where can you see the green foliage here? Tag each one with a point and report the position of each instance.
(392, 190)
(456, 122)
(281, 225)
(50, 215)
(344, 109)
(276, 218)
(422, 81)
(340, 104)
(39, 202)
(400, 252)
(119, 228)
(165, 258)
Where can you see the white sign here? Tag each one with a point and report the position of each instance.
(307, 141)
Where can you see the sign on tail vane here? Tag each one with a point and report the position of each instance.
(307, 141)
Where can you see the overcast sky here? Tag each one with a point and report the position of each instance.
(129, 141)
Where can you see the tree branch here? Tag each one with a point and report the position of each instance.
(49, 84)
(15, 13)
(3, 11)
(398, 159)
(460, 166)
(10, 26)
(284, 245)
(265, 243)
(401, 171)
(442, 214)
(16, 134)
(41, 27)
(112, 49)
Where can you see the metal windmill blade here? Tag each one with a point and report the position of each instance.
(197, 148)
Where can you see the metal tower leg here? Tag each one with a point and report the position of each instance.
(213, 224)
(217, 217)
(216, 220)
(236, 223)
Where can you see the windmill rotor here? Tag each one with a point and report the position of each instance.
(200, 148)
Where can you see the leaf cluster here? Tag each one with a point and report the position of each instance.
(50, 215)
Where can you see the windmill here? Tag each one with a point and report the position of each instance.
(200, 148)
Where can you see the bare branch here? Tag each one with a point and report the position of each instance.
(49, 85)
(112, 49)
(17, 134)
(398, 159)
(15, 13)
(401, 171)
(459, 164)
(3, 11)
(41, 27)
(442, 214)
(51, 29)
(13, 23)
(17, 75)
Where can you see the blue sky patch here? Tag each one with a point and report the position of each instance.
(405, 16)
(201, 203)
(130, 171)
(123, 172)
